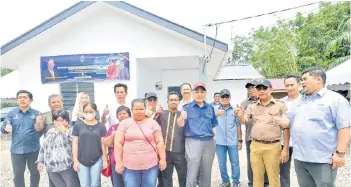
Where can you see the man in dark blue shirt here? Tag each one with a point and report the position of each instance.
(200, 121)
(25, 124)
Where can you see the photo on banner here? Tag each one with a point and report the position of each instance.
(84, 67)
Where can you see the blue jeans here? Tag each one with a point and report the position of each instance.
(90, 176)
(221, 151)
(117, 179)
(140, 178)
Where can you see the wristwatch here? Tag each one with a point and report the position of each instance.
(240, 141)
(340, 154)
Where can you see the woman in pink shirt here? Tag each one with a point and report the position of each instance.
(139, 148)
(122, 113)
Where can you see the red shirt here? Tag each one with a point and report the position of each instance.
(112, 153)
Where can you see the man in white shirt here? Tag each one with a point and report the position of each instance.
(292, 83)
(109, 115)
(185, 90)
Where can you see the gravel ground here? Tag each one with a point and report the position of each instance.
(343, 178)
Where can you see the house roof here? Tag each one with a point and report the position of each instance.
(238, 72)
(118, 4)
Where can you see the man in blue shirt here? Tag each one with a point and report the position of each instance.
(216, 100)
(25, 125)
(320, 131)
(200, 122)
(229, 139)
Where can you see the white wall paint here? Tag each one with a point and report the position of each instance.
(101, 28)
(236, 88)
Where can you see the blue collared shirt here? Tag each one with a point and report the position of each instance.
(215, 105)
(227, 129)
(25, 139)
(200, 121)
(316, 121)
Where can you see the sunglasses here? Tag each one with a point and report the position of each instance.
(152, 99)
(225, 96)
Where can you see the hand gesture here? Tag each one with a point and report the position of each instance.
(220, 112)
(240, 111)
(148, 113)
(39, 118)
(106, 110)
(159, 109)
(162, 165)
(337, 161)
(40, 167)
(8, 127)
(119, 167)
(184, 115)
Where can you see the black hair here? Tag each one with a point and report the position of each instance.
(185, 84)
(215, 94)
(30, 95)
(123, 108)
(52, 96)
(172, 93)
(138, 101)
(61, 113)
(316, 72)
(120, 85)
(297, 78)
(92, 105)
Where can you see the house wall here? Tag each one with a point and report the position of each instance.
(236, 88)
(102, 28)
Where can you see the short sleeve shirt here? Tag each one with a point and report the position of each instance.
(138, 153)
(89, 142)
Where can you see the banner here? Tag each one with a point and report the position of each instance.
(84, 67)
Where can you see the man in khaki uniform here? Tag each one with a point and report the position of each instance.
(267, 121)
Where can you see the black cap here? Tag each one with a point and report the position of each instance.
(150, 94)
(251, 83)
(224, 92)
(264, 82)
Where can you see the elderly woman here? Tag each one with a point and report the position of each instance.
(122, 113)
(56, 152)
(139, 148)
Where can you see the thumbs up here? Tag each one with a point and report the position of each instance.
(39, 118)
(8, 127)
(106, 110)
(184, 115)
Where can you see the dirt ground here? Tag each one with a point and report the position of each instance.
(343, 178)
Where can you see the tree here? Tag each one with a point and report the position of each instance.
(5, 71)
(318, 39)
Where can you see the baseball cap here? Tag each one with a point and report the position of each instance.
(264, 82)
(251, 83)
(150, 94)
(199, 84)
(224, 92)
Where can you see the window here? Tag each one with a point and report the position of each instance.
(175, 89)
(69, 92)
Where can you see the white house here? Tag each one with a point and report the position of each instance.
(159, 51)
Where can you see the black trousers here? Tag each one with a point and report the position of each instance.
(66, 178)
(285, 170)
(19, 162)
(177, 161)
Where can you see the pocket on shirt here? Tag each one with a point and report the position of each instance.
(318, 113)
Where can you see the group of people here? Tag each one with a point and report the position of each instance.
(143, 143)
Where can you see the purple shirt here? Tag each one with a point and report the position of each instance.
(111, 148)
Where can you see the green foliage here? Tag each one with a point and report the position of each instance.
(318, 39)
(5, 71)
